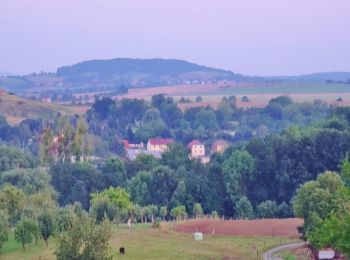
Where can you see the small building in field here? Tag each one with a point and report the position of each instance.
(219, 146)
(196, 149)
(159, 144)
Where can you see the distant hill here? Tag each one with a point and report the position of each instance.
(316, 77)
(143, 72)
(111, 75)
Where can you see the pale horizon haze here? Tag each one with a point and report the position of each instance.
(252, 37)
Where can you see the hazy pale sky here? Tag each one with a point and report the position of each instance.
(254, 37)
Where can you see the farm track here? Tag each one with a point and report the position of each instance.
(270, 254)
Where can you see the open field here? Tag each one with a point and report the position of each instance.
(144, 242)
(258, 93)
(247, 228)
(16, 109)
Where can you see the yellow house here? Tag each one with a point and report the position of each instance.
(196, 149)
(159, 144)
(219, 146)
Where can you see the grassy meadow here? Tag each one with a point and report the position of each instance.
(144, 242)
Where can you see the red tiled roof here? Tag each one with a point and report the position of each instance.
(194, 142)
(125, 143)
(160, 141)
(220, 142)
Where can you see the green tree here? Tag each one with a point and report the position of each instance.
(197, 210)
(315, 200)
(179, 212)
(206, 119)
(162, 185)
(24, 232)
(334, 231)
(12, 200)
(118, 198)
(320, 196)
(267, 209)
(13, 158)
(237, 170)
(150, 212)
(102, 208)
(28, 180)
(244, 209)
(138, 187)
(114, 173)
(46, 225)
(163, 212)
(78, 139)
(284, 210)
(64, 218)
(84, 240)
(151, 114)
(4, 228)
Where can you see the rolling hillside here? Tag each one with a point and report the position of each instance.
(16, 109)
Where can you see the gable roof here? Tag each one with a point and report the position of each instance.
(160, 141)
(192, 143)
(220, 142)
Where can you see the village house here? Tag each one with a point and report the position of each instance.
(158, 144)
(219, 146)
(132, 144)
(196, 149)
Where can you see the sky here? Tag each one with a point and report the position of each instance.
(252, 37)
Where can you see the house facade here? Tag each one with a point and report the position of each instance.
(196, 149)
(158, 144)
(219, 146)
(132, 145)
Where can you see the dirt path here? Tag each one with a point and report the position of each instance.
(269, 255)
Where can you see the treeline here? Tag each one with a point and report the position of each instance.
(139, 120)
(259, 177)
(259, 173)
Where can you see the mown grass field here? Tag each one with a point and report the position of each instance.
(144, 242)
(258, 93)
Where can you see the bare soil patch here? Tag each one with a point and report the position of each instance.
(246, 228)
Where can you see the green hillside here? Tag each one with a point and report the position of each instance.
(143, 72)
(16, 109)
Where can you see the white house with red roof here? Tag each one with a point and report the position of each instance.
(158, 144)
